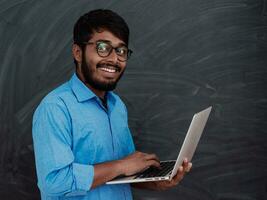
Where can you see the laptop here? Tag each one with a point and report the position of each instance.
(169, 168)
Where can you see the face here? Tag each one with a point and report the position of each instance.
(101, 73)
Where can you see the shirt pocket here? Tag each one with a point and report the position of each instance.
(124, 140)
(86, 144)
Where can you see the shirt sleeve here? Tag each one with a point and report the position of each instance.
(57, 172)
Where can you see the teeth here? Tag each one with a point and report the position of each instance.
(108, 70)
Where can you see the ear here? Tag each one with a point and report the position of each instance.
(77, 53)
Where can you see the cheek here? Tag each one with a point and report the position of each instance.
(92, 59)
(91, 63)
(123, 66)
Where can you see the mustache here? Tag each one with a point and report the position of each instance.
(101, 65)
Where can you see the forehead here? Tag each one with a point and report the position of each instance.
(108, 36)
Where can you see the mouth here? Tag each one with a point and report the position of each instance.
(108, 68)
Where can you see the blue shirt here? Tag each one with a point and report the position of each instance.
(72, 131)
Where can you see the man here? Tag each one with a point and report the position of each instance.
(80, 129)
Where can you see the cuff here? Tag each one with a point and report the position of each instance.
(83, 175)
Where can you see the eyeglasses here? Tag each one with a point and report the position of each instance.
(104, 49)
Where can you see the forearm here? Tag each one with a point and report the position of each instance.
(107, 171)
(129, 165)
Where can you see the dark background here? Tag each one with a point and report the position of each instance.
(188, 54)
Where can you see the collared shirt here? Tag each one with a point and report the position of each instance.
(73, 131)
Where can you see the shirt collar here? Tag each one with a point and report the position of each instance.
(83, 93)
(80, 90)
(111, 97)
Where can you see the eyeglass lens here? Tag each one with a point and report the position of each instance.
(104, 49)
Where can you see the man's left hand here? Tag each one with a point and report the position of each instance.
(163, 185)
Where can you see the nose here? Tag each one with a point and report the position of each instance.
(113, 56)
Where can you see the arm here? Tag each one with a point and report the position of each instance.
(58, 173)
(129, 165)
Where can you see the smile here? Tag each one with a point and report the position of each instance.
(108, 70)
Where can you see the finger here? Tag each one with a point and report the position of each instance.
(185, 162)
(139, 153)
(180, 174)
(181, 169)
(151, 157)
(174, 181)
(153, 163)
(188, 168)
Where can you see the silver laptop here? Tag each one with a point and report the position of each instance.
(169, 168)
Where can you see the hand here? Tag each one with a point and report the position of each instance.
(138, 162)
(163, 185)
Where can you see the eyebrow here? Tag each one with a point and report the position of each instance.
(108, 41)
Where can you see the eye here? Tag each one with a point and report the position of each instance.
(121, 50)
(103, 47)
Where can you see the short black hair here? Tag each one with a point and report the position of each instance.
(98, 20)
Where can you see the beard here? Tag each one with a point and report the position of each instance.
(88, 74)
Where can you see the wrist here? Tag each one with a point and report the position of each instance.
(120, 169)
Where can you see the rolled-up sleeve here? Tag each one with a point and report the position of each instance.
(57, 172)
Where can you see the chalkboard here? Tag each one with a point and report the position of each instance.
(187, 55)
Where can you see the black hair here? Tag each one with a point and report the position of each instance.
(96, 21)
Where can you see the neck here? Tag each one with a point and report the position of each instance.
(99, 93)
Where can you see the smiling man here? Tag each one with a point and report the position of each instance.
(80, 130)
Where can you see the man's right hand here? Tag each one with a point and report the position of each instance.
(138, 162)
(128, 166)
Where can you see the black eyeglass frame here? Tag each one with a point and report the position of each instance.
(129, 51)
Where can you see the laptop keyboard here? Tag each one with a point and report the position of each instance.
(166, 167)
